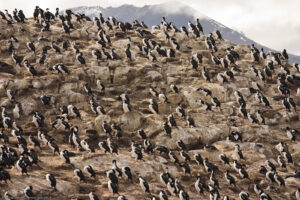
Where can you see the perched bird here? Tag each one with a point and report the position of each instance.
(90, 171)
(93, 196)
(51, 179)
(127, 173)
(79, 175)
(8, 196)
(113, 187)
(224, 158)
(167, 129)
(28, 192)
(238, 151)
(174, 88)
(244, 195)
(190, 121)
(30, 46)
(180, 111)
(144, 185)
(230, 179)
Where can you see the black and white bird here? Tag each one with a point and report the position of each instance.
(186, 168)
(89, 169)
(45, 100)
(21, 166)
(183, 195)
(185, 156)
(100, 85)
(93, 196)
(113, 147)
(74, 111)
(200, 185)
(30, 46)
(270, 165)
(167, 129)
(17, 59)
(30, 68)
(238, 151)
(64, 155)
(198, 158)
(79, 175)
(174, 88)
(173, 157)
(205, 74)
(122, 198)
(244, 195)
(181, 145)
(224, 158)
(28, 192)
(292, 102)
(104, 147)
(144, 185)
(80, 58)
(190, 121)
(281, 161)
(113, 187)
(279, 180)
(297, 194)
(215, 102)
(221, 78)
(194, 64)
(230, 179)
(127, 173)
(8, 196)
(128, 52)
(180, 111)
(291, 133)
(153, 106)
(55, 47)
(126, 106)
(153, 92)
(51, 179)
(116, 168)
(284, 54)
(172, 120)
(243, 173)
(163, 98)
(142, 134)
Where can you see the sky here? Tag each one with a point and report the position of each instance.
(273, 23)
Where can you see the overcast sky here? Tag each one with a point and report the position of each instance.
(273, 23)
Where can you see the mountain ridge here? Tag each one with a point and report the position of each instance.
(151, 15)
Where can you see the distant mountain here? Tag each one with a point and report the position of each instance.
(175, 12)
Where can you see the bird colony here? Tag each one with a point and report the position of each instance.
(104, 109)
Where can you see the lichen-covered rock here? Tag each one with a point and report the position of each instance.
(28, 106)
(21, 84)
(153, 76)
(101, 72)
(132, 120)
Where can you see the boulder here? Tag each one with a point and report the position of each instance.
(153, 76)
(132, 120)
(193, 137)
(21, 84)
(124, 74)
(28, 106)
(37, 84)
(75, 97)
(68, 88)
(99, 72)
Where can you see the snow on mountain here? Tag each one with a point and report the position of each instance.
(175, 12)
